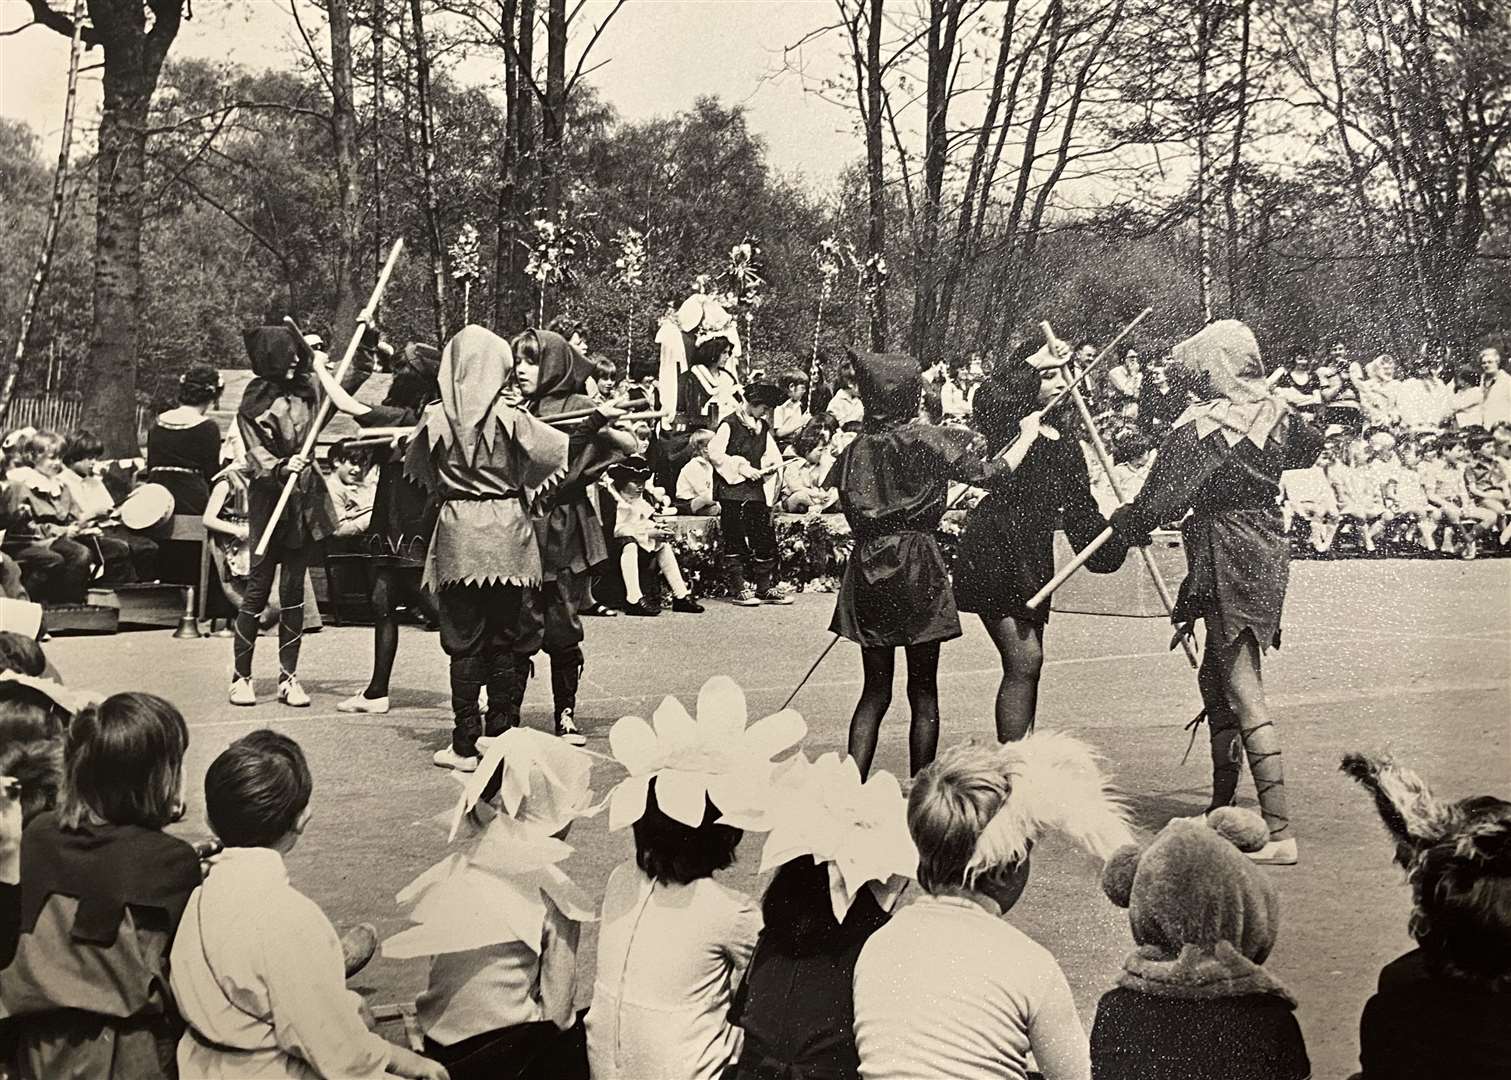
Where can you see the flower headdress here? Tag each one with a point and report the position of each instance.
(1055, 783)
(66, 698)
(715, 757)
(860, 829)
(497, 893)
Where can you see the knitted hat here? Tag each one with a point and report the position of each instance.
(1205, 917)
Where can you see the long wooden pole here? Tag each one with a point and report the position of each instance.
(364, 320)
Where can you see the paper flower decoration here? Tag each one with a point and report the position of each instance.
(629, 267)
(715, 756)
(543, 782)
(823, 809)
(829, 259)
(464, 255)
(745, 281)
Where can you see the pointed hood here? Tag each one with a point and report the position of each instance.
(474, 367)
(563, 372)
(1243, 404)
(272, 350)
(890, 386)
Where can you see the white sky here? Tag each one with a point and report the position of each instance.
(662, 55)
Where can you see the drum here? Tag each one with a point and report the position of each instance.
(148, 506)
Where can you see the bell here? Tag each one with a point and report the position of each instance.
(188, 624)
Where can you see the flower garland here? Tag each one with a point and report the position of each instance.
(745, 285)
(557, 245)
(465, 266)
(629, 274)
(829, 258)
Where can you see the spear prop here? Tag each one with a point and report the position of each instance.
(364, 320)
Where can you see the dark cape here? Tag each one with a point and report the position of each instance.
(403, 515)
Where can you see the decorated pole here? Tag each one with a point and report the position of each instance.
(629, 272)
(465, 269)
(827, 258)
(364, 320)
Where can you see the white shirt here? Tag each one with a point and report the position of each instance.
(953, 400)
(948, 991)
(277, 994)
(696, 480)
(846, 407)
(89, 493)
(734, 469)
(788, 418)
(669, 960)
(633, 520)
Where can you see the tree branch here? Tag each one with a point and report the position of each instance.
(43, 14)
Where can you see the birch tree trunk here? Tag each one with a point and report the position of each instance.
(344, 134)
(427, 171)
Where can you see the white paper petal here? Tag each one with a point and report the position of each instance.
(633, 743)
(681, 796)
(770, 735)
(840, 897)
(627, 801)
(442, 870)
(569, 899)
(675, 730)
(721, 707)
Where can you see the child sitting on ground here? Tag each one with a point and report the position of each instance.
(102, 892)
(803, 475)
(1308, 494)
(949, 988)
(503, 981)
(353, 485)
(1193, 1002)
(257, 969)
(1440, 1010)
(636, 524)
(695, 483)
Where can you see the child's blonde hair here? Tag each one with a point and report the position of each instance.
(950, 805)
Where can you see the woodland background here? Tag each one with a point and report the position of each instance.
(1323, 169)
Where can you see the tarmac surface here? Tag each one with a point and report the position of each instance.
(1413, 657)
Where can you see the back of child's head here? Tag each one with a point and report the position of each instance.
(21, 654)
(1131, 446)
(809, 439)
(124, 762)
(700, 438)
(37, 766)
(257, 789)
(950, 804)
(675, 854)
(797, 913)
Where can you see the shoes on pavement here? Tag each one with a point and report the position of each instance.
(242, 692)
(602, 611)
(773, 596)
(642, 607)
(1276, 853)
(361, 703)
(746, 597)
(687, 604)
(448, 758)
(567, 729)
(292, 694)
(357, 947)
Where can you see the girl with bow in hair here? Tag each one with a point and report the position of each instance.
(1222, 460)
(403, 515)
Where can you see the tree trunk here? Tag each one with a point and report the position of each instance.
(344, 137)
(944, 21)
(1203, 237)
(427, 172)
(54, 215)
(554, 115)
(380, 32)
(504, 235)
(1235, 168)
(876, 177)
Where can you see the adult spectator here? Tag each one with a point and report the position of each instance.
(183, 444)
(1495, 381)
(1124, 382)
(1160, 401)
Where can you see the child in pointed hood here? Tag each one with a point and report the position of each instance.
(1222, 460)
(551, 375)
(491, 466)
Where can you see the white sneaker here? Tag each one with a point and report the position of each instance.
(448, 758)
(1276, 853)
(567, 730)
(359, 703)
(292, 694)
(242, 692)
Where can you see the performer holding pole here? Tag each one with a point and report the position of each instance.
(550, 375)
(490, 465)
(279, 417)
(403, 513)
(1007, 549)
(1222, 460)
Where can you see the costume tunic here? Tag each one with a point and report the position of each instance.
(403, 515)
(892, 489)
(1007, 551)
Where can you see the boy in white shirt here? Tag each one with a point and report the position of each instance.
(695, 483)
(257, 969)
(790, 417)
(803, 476)
(635, 522)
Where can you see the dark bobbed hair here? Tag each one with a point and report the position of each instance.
(37, 764)
(810, 438)
(256, 789)
(798, 919)
(21, 653)
(125, 760)
(82, 445)
(27, 715)
(674, 854)
(710, 352)
(199, 385)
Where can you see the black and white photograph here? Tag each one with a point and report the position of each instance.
(755, 539)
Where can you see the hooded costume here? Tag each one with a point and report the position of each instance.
(1441, 1009)
(571, 536)
(1007, 551)
(490, 465)
(893, 482)
(1192, 1002)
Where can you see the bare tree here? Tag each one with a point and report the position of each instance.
(344, 140)
(427, 168)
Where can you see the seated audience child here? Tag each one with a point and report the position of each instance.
(674, 942)
(1359, 500)
(1192, 1002)
(502, 981)
(1487, 485)
(1440, 1010)
(635, 524)
(353, 485)
(790, 417)
(128, 555)
(1308, 494)
(42, 524)
(1448, 494)
(257, 969)
(695, 483)
(949, 988)
(803, 475)
(102, 892)
(848, 857)
(1399, 470)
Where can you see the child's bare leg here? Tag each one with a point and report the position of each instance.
(923, 701)
(1021, 647)
(1427, 530)
(875, 697)
(1261, 742)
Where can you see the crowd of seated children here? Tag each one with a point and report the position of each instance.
(40, 521)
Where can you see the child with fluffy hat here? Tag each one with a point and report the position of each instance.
(1443, 1008)
(1193, 1001)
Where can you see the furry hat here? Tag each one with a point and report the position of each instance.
(1457, 857)
(1203, 915)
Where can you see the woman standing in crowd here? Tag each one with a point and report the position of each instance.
(183, 444)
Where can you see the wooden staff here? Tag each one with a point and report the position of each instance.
(1079, 560)
(1105, 458)
(364, 320)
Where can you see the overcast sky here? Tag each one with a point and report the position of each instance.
(662, 55)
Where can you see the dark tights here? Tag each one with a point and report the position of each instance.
(1021, 646)
(877, 663)
(391, 585)
(290, 564)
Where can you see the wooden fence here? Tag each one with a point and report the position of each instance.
(54, 413)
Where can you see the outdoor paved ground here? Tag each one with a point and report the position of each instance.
(1414, 657)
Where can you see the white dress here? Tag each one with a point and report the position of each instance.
(670, 958)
